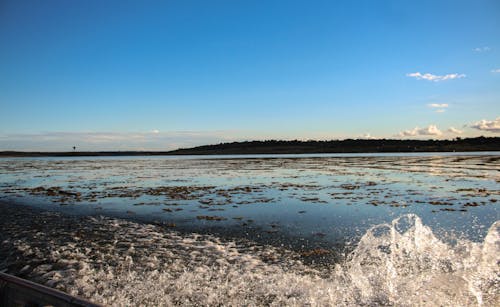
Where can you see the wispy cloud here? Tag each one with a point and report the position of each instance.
(454, 130)
(438, 107)
(487, 125)
(481, 49)
(435, 78)
(431, 130)
(496, 71)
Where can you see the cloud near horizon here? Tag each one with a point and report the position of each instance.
(435, 78)
(431, 130)
(487, 125)
(454, 130)
(367, 136)
(102, 141)
(157, 140)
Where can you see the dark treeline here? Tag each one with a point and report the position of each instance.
(297, 147)
(346, 146)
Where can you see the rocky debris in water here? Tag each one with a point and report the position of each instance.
(60, 195)
(396, 204)
(348, 186)
(313, 200)
(348, 177)
(471, 204)
(211, 218)
(295, 186)
(481, 192)
(440, 203)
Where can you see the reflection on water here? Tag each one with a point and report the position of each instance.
(300, 201)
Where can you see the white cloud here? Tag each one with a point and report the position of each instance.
(435, 78)
(367, 136)
(155, 131)
(438, 105)
(487, 125)
(496, 71)
(454, 130)
(430, 130)
(481, 49)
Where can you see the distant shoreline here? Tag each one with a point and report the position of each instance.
(296, 147)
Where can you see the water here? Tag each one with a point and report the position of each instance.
(299, 200)
(417, 229)
(121, 263)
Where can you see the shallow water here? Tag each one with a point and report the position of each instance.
(403, 229)
(302, 201)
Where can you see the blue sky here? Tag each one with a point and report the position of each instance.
(162, 74)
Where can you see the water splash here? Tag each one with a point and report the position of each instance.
(400, 263)
(404, 263)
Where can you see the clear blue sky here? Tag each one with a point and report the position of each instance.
(162, 74)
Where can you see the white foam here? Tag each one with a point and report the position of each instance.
(401, 263)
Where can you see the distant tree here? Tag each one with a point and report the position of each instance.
(74, 148)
